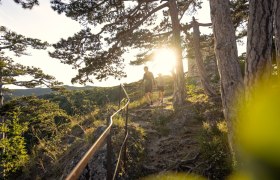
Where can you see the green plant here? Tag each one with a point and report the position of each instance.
(215, 151)
(160, 118)
(13, 147)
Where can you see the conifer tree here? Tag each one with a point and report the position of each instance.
(9, 71)
(119, 27)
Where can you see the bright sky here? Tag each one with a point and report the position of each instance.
(43, 23)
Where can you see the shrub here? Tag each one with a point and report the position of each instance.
(215, 150)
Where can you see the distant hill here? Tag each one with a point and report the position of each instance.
(131, 87)
(42, 91)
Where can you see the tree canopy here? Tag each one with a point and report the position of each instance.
(112, 30)
(18, 45)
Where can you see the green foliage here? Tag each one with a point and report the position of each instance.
(137, 103)
(136, 151)
(174, 176)
(195, 94)
(215, 151)
(44, 119)
(43, 125)
(240, 16)
(160, 117)
(13, 147)
(18, 43)
(82, 102)
(10, 71)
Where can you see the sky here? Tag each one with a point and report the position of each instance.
(43, 23)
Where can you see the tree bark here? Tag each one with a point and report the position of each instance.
(258, 66)
(227, 59)
(199, 61)
(179, 78)
(276, 17)
(193, 73)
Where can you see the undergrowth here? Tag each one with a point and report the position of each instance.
(215, 151)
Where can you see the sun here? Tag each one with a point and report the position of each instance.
(164, 61)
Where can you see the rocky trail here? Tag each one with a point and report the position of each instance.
(171, 140)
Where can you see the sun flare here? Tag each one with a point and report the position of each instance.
(164, 61)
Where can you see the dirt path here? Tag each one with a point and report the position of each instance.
(171, 138)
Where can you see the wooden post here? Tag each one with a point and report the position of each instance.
(120, 95)
(125, 144)
(109, 154)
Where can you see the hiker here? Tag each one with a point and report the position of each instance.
(160, 87)
(149, 82)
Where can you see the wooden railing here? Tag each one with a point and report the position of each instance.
(100, 142)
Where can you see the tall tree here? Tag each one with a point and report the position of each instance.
(179, 81)
(18, 44)
(276, 22)
(199, 61)
(9, 71)
(258, 67)
(123, 26)
(227, 59)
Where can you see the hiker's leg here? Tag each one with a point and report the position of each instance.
(147, 96)
(151, 97)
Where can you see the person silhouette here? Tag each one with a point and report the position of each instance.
(149, 82)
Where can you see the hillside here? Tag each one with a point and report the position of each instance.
(42, 91)
(162, 138)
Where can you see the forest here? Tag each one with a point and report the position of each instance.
(219, 118)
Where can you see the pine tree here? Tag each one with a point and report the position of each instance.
(258, 67)
(123, 26)
(227, 60)
(9, 71)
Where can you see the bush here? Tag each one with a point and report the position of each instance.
(215, 151)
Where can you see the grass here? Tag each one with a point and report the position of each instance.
(215, 150)
(160, 118)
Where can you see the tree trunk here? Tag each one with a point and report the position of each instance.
(179, 78)
(276, 17)
(193, 73)
(258, 66)
(199, 61)
(227, 59)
